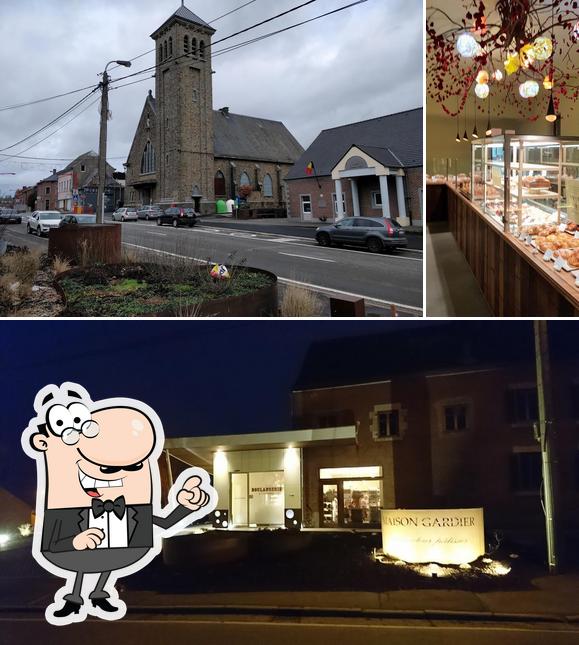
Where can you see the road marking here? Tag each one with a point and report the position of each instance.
(307, 257)
(368, 299)
(305, 285)
(154, 233)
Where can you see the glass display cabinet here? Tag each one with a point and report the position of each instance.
(524, 181)
(443, 170)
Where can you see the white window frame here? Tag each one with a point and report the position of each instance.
(375, 195)
(335, 202)
(385, 408)
(309, 200)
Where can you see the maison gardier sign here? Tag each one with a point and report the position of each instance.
(445, 536)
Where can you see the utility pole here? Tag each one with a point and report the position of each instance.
(545, 435)
(103, 140)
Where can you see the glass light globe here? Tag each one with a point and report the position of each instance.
(498, 75)
(482, 77)
(575, 31)
(548, 82)
(543, 48)
(527, 55)
(482, 90)
(512, 64)
(529, 89)
(467, 46)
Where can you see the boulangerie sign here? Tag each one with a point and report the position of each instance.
(445, 536)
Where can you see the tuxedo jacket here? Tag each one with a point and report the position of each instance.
(62, 525)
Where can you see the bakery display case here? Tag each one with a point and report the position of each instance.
(527, 181)
(442, 170)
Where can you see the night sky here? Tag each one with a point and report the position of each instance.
(201, 377)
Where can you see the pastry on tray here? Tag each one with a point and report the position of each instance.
(570, 255)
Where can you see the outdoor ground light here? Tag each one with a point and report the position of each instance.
(4, 539)
(551, 114)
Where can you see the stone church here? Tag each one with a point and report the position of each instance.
(182, 147)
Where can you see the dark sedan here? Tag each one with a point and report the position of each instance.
(376, 234)
(10, 217)
(178, 217)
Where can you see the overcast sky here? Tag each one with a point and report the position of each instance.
(358, 64)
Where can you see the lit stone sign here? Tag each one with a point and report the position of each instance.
(448, 536)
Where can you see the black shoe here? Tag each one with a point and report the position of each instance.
(68, 609)
(104, 604)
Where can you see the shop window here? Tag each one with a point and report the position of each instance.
(351, 472)
(220, 190)
(455, 418)
(522, 405)
(526, 472)
(267, 186)
(388, 422)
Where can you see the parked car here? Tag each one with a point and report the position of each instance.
(8, 216)
(75, 220)
(40, 222)
(149, 212)
(376, 234)
(125, 215)
(178, 217)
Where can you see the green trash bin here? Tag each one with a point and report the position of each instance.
(221, 207)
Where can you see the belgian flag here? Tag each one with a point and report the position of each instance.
(310, 169)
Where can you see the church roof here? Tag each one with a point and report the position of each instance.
(245, 137)
(188, 16)
(394, 140)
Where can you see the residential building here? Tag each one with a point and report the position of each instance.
(182, 147)
(371, 169)
(47, 193)
(24, 198)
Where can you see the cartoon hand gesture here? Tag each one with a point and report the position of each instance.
(191, 496)
(89, 539)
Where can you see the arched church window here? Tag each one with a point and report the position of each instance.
(170, 46)
(267, 186)
(194, 46)
(220, 190)
(244, 179)
(165, 49)
(148, 159)
(186, 44)
(202, 49)
(161, 52)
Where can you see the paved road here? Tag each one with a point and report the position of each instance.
(249, 630)
(381, 279)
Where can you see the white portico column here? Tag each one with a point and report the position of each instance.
(355, 197)
(385, 197)
(403, 220)
(339, 202)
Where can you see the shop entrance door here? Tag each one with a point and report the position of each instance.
(266, 498)
(331, 505)
(239, 499)
(351, 503)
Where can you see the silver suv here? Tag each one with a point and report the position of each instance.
(40, 222)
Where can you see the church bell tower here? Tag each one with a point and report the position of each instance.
(184, 95)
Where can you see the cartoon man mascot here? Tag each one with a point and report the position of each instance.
(98, 511)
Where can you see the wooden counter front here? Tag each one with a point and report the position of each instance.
(514, 280)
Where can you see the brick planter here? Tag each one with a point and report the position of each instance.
(99, 243)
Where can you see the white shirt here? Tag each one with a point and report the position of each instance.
(115, 529)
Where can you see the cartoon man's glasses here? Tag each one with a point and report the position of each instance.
(70, 422)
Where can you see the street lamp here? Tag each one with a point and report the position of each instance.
(103, 139)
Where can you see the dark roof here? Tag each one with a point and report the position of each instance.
(188, 16)
(246, 137)
(53, 177)
(428, 347)
(395, 138)
(86, 155)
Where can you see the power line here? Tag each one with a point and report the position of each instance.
(49, 98)
(150, 51)
(58, 118)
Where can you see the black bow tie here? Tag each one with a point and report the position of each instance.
(117, 507)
